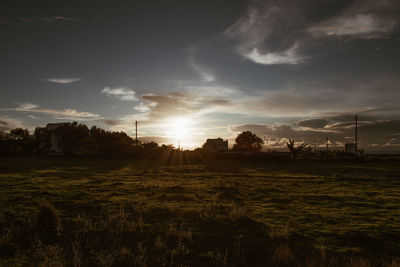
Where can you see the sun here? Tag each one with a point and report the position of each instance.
(179, 128)
(180, 131)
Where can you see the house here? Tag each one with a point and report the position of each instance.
(55, 141)
(350, 148)
(216, 145)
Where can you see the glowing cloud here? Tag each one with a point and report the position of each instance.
(120, 93)
(285, 57)
(62, 80)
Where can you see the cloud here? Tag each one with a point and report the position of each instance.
(33, 117)
(15, 21)
(285, 57)
(120, 93)
(289, 32)
(361, 25)
(7, 123)
(205, 74)
(374, 93)
(373, 134)
(313, 123)
(64, 18)
(157, 111)
(160, 106)
(142, 107)
(27, 106)
(125, 123)
(62, 80)
(65, 114)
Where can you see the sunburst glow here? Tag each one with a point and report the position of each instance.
(180, 128)
(182, 131)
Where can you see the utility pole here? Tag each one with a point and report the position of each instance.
(327, 144)
(136, 132)
(355, 135)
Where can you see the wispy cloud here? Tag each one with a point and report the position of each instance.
(15, 21)
(62, 80)
(59, 18)
(205, 74)
(70, 114)
(27, 106)
(361, 25)
(33, 117)
(120, 93)
(286, 32)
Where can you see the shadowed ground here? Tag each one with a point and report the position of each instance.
(217, 213)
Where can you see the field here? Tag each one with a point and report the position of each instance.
(97, 212)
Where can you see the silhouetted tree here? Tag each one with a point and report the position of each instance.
(17, 141)
(4, 142)
(300, 151)
(248, 141)
(74, 138)
(149, 147)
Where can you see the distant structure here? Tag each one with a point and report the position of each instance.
(327, 144)
(355, 135)
(55, 141)
(216, 145)
(353, 147)
(350, 148)
(136, 132)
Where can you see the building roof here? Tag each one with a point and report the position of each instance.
(53, 126)
(215, 140)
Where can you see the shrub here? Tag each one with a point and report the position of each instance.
(47, 220)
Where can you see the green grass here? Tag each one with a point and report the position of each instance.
(266, 213)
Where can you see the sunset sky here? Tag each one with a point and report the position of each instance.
(192, 70)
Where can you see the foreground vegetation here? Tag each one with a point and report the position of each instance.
(92, 212)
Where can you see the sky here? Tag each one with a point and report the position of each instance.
(192, 70)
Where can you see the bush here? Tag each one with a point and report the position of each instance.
(47, 220)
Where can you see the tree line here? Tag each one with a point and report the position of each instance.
(72, 139)
(78, 139)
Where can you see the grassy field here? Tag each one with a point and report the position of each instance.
(90, 212)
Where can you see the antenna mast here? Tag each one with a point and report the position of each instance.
(136, 132)
(355, 135)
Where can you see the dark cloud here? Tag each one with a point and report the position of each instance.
(313, 123)
(173, 104)
(111, 122)
(7, 124)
